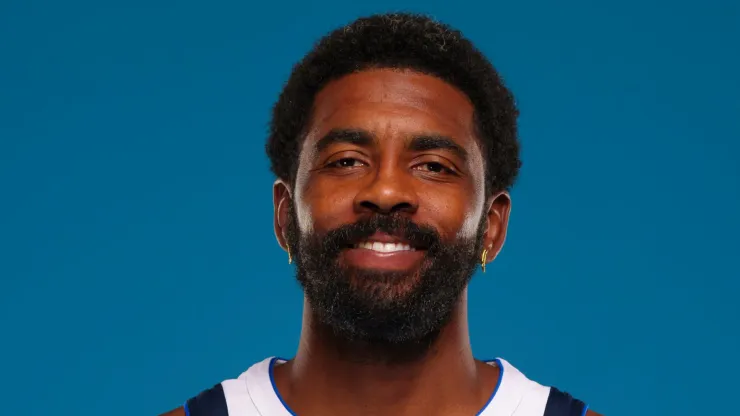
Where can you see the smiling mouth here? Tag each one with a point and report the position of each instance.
(384, 252)
(381, 247)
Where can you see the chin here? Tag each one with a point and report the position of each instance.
(384, 285)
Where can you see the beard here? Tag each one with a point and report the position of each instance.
(395, 315)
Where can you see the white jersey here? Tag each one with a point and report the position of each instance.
(254, 394)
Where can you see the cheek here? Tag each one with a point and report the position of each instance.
(470, 225)
(321, 207)
(453, 213)
(474, 210)
(476, 204)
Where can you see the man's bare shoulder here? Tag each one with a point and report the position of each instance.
(592, 413)
(180, 411)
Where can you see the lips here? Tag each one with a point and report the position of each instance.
(383, 251)
(387, 243)
(383, 247)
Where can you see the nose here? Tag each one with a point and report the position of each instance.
(390, 191)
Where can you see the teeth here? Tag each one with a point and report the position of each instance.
(384, 247)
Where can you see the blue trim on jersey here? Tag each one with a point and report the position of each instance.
(211, 402)
(498, 384)
(187, 411)
(560, 403)
(274, 387)
(585, 409)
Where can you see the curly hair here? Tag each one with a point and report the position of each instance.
(399, 41)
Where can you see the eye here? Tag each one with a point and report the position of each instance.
(434, 167)
(345, 162)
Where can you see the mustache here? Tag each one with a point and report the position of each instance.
(419, 236)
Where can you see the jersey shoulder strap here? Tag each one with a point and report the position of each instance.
(230, 397)
(563, 404)
(211, 402)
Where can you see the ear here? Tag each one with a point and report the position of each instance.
(281, 200)
(497, 224)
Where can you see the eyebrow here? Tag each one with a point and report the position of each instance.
(349, 136)
(422, 142)
(419, 142)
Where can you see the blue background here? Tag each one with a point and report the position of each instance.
(137, 254)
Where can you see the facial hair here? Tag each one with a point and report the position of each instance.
(397, 314)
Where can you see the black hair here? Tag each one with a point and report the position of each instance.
(399, 41)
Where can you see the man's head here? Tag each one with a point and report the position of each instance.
(394, 143)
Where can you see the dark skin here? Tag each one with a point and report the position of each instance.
(338, 182)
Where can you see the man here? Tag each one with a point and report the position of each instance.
(394, 143)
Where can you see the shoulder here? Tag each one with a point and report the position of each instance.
(527, 397)
(180, 411)
(229, 397)
(211, 401)
(560, 403)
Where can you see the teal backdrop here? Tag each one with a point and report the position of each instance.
(137, 257)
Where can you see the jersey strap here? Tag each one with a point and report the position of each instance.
(563, 404)
(211, 402)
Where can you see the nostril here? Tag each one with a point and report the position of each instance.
(403, 206)
(369, 205)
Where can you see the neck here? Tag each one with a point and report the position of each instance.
(419, 379)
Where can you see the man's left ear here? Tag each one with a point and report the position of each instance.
(497, 223)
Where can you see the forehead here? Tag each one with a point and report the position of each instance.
(393, 101)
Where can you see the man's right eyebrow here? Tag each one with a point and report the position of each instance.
(350, 136)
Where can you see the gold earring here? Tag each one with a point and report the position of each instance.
(290, 257)
(483, 260)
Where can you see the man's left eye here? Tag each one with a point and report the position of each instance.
(434, 167)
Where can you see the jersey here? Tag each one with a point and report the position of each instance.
(254, 393)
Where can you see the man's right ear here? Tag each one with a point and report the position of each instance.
(281, 200)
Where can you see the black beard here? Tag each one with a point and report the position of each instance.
(393, 315)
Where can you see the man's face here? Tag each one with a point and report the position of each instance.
(388, 217)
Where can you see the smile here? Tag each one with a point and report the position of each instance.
(383, 247)
(382, 251)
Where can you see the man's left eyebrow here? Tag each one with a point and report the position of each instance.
(422, 142)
